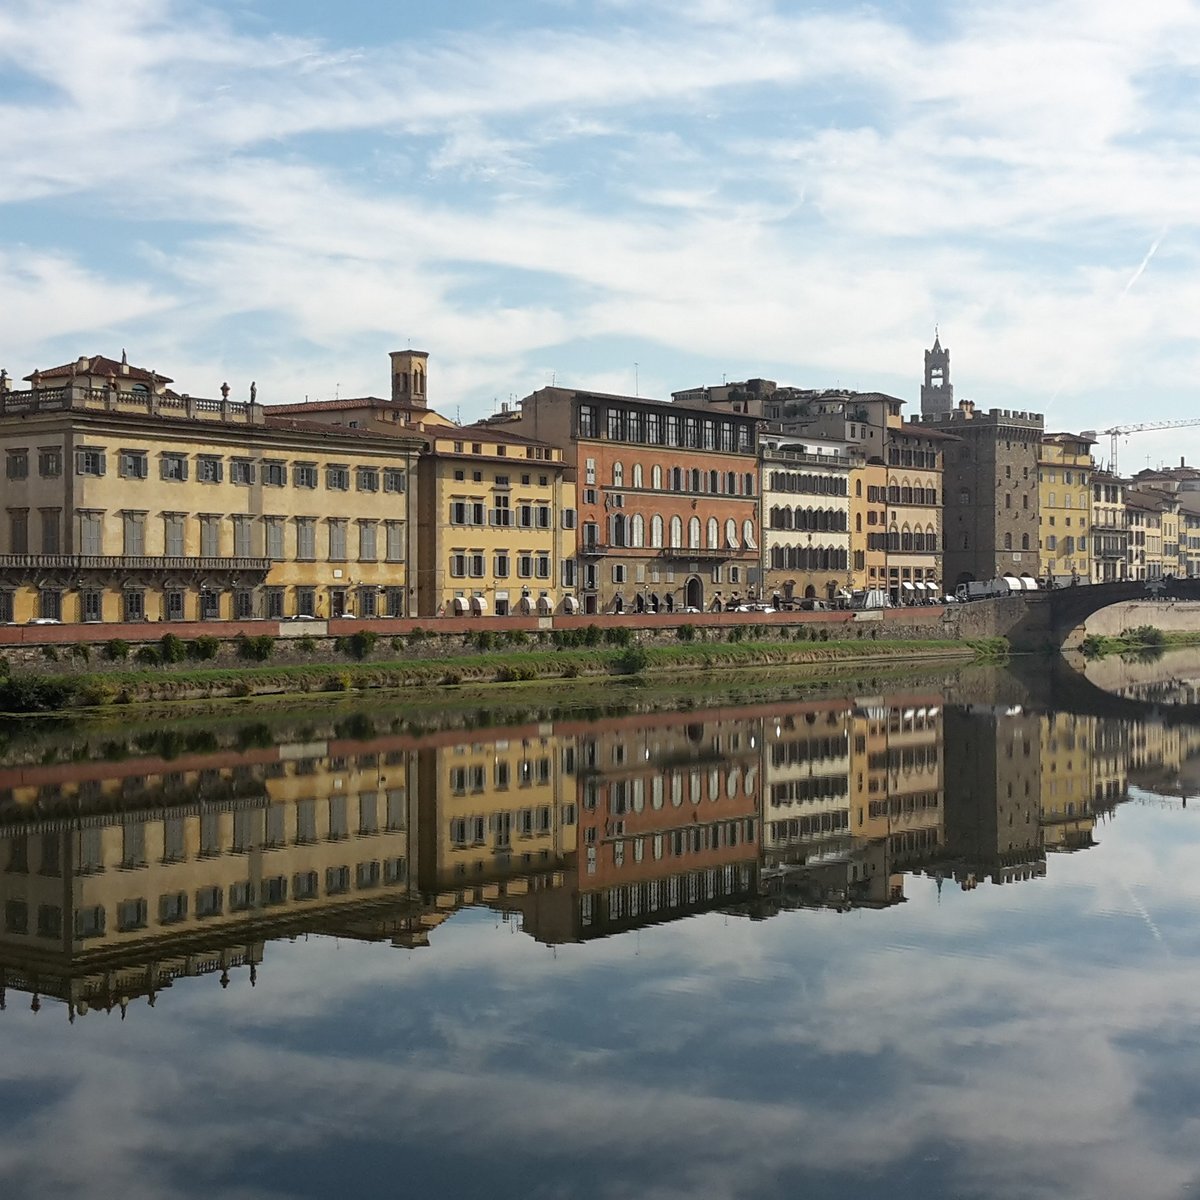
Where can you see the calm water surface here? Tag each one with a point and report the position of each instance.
(937, 942)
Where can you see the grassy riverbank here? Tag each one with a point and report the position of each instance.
(1143, 638)
(50, 693)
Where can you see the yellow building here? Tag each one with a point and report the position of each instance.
(497, 521)
(126, 501)
(497, 818)
(1068, 781)
(1065, 499)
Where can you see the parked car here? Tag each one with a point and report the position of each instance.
(811, 604)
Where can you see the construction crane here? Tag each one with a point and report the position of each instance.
(1119, 431)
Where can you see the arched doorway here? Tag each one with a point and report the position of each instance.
(810, 592)
(693, 593)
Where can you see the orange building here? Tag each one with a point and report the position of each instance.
(668, 498)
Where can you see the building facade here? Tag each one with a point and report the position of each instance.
(128, 502)
(1064, 504)
(806, 518)
(991, 493)
(667, 498)
(1110, 529)
(497, 521)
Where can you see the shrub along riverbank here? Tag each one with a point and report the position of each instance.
(1143, 638)
(172, 678)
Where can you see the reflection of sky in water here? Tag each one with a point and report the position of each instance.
(1037, 1039)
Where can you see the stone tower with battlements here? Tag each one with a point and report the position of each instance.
(937, 392)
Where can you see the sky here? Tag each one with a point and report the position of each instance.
(631, 195)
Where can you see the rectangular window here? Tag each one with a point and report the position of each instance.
(274, 603)
(569, 518)
(337, 539)
(542, 566)
(501, 566)
(50, 462)
(134, 604)
(367, 479)
(91, 461)
(393, 480)
(210, 537)
(306, 538)
(568, 572)
(91, 604)
(274, 472)
(304, 475)
(134, 525)
(209, 468)
(50, 604)
(476, 565)
(525, 566)
(241, 471)
(337, 478)
(367, 540)
(274, 538)
(173, 467)
(395, 540)
(18, 531)
(173, 535)
(241, 535)
(51, 525)
(17, 464)
(306, 601)
(133, 464)
(458, 566)
(173, 604)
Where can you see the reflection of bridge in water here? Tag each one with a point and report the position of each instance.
(1119, 687)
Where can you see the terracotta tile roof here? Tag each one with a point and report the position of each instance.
(97, 364)
(334, 431)
(347, 405)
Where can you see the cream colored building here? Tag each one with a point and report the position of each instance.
(126, 501)
(806, 517)
(497, 521)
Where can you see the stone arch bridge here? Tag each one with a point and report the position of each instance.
(1054, 619)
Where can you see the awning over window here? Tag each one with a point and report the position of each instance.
(460, 604)
(571, 604)
(1030, 585)
(525, 604)
(1014, 583)
(545, 604)
(908, 587)
(479, 605)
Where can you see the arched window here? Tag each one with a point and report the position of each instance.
(749, 484)
(618, 475)
(730, 485)
(676, 532)
(694, 533)
(656, 531)
(858, 522)
(677, 479)
(1008, 541)
(656, 477)
(617, 529)
(695, 480)
(637, 475)
(748, 535)
(637, 530)
(858, 487)
(713, 540)
(714, 481)
(1024, 541)
(731, 537)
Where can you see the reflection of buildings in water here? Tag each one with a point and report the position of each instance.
(1160, 757)
(668, 825)
(993, 788)
(118, 877)
(496, 818)
(1068, 781)
(141, 872)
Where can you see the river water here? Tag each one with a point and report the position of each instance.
(923, 938)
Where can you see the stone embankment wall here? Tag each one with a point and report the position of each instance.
(62, 649)
(1171, 616)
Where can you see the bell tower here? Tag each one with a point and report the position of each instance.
(937, 392)
(408, 377)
